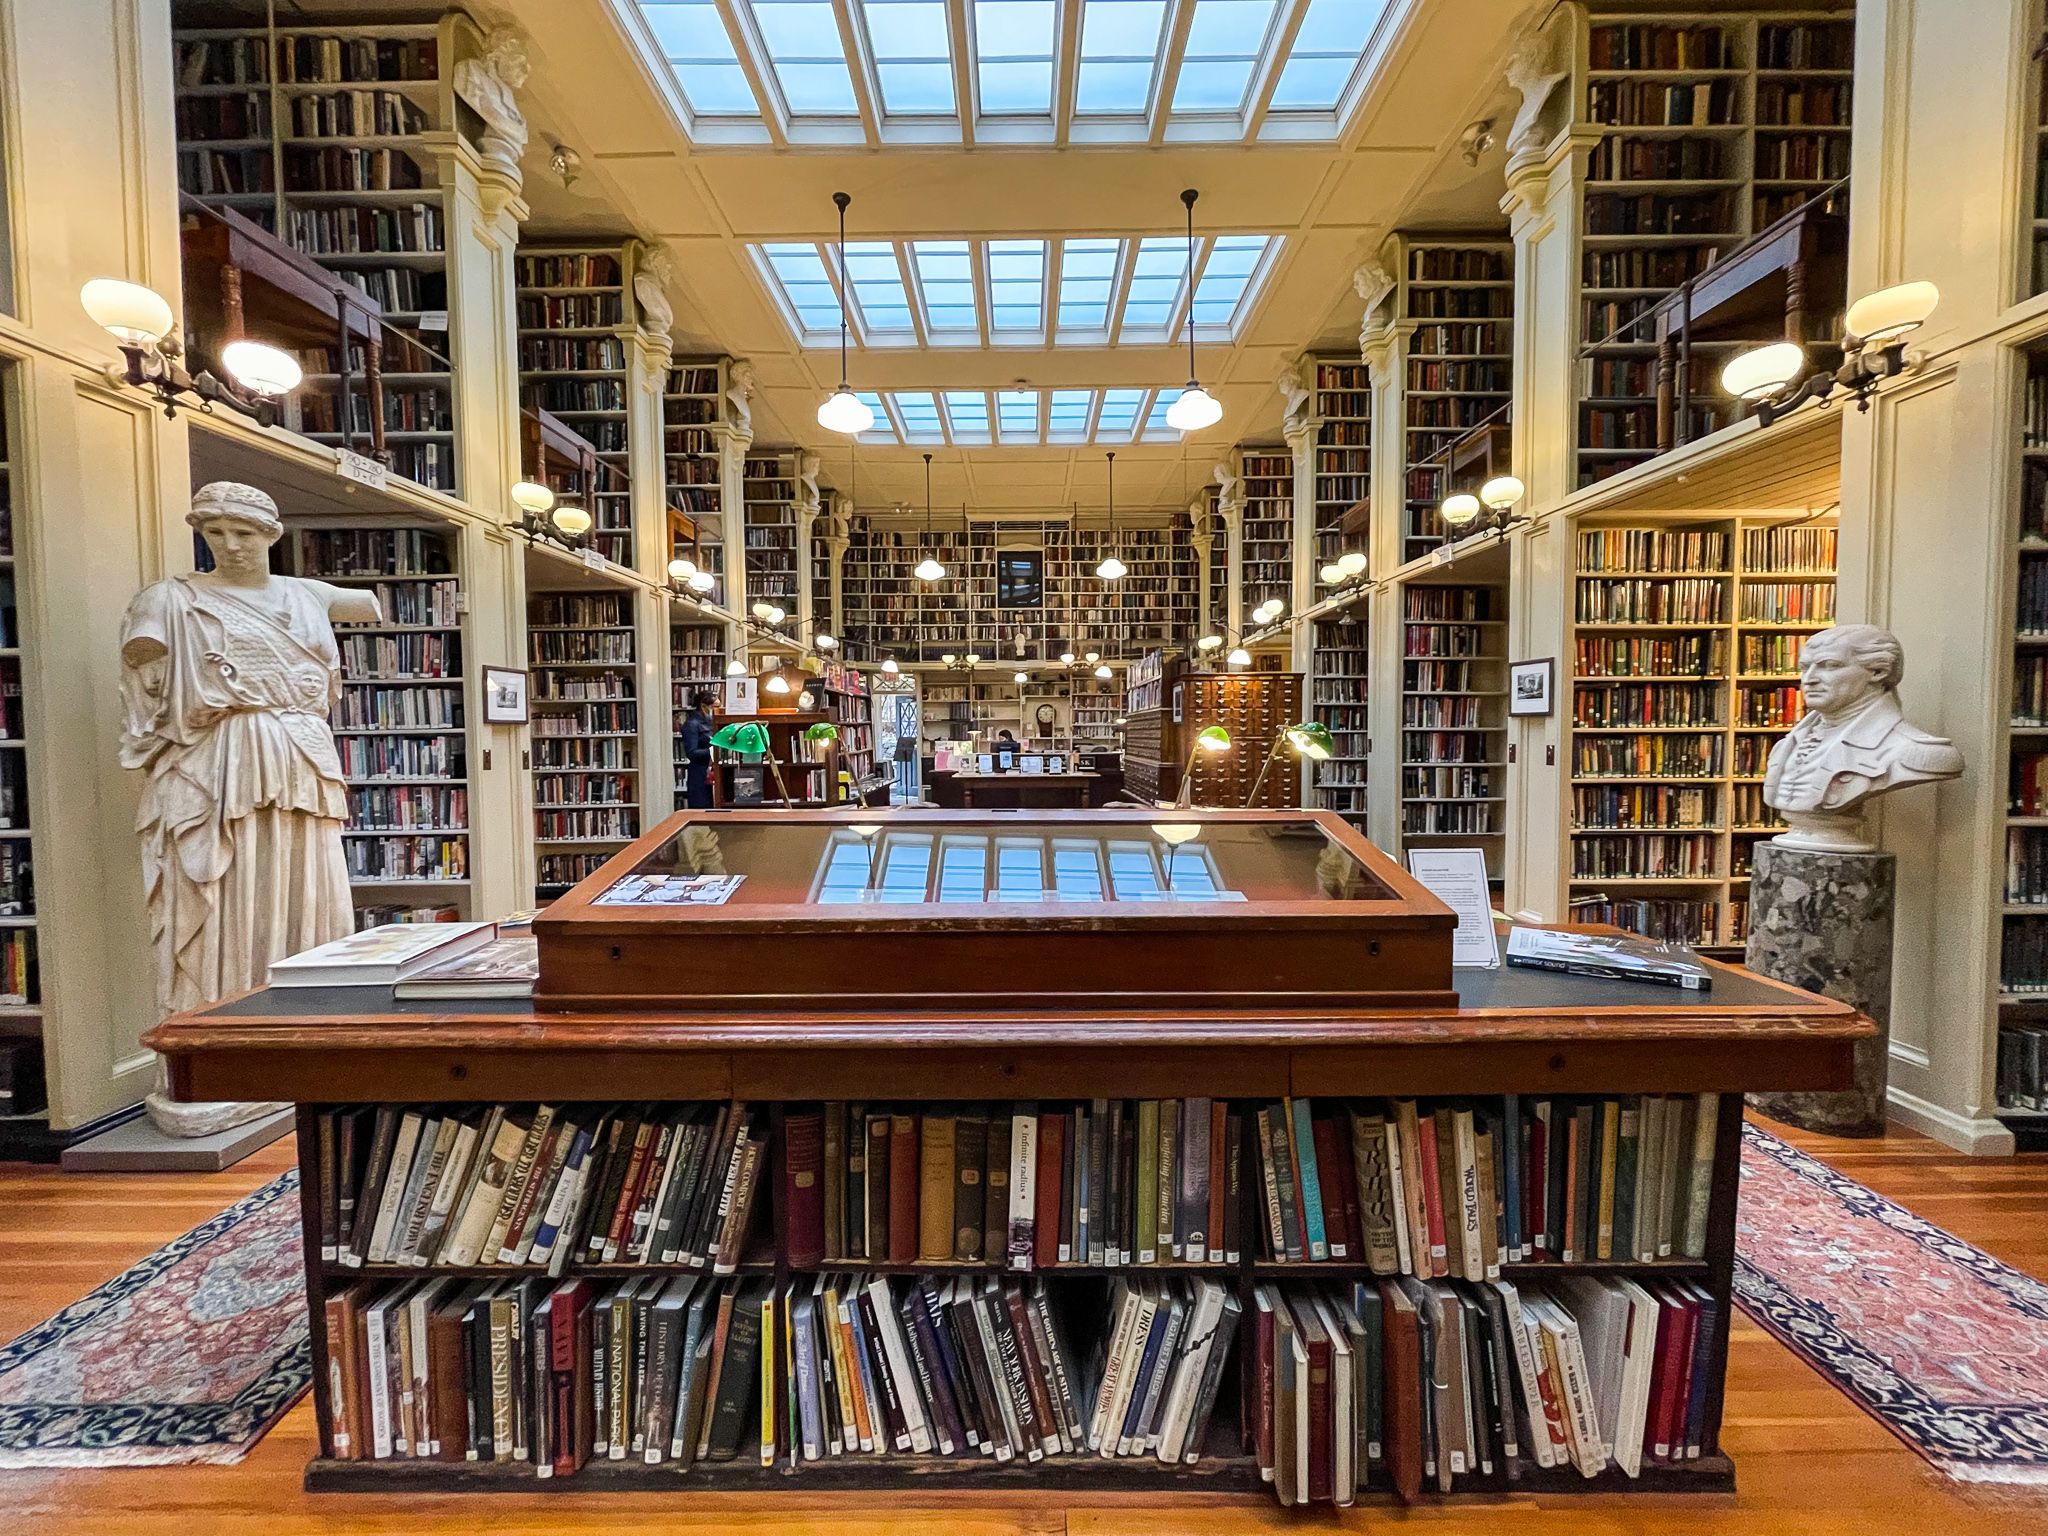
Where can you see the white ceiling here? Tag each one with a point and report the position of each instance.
(598, 87)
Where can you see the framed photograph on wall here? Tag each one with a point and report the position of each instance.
(1529, 686)
(504, 696)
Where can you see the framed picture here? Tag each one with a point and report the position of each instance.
(504, 696)
(1529, 686)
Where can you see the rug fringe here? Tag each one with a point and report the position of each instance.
(1974, 1472)
(129, 1456)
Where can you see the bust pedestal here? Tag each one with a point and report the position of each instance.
(1822, 921)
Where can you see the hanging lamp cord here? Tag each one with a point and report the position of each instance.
(1188, 201)
(840, 200)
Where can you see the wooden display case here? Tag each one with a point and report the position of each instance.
(910, 912)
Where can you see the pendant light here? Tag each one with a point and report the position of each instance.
(928, 569)
(1111, 568)
(844, 411)
(1196, 408)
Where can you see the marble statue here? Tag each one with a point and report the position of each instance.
(739, 396)
(808, 497)
(491, 83)
(1534, 74)
(1372, 282)
(650, 286)
(227, 678)
(1853, 745)
(1229, 490)
(1294, 395)
(839, 520)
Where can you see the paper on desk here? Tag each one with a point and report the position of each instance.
(1457, 878)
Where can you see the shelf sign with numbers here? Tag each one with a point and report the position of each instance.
(594, 559)
(364, 471)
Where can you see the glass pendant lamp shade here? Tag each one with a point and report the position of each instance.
(777, 615)
(573, 521)
(1067, 658)
(947, 658)
(129, 312)
(1501, 491)
(681, 570)
(1021, 679)
(825, 642)
(1239, 656)
(1891, 312)
(1330, 574)
(1351, 564)
(844, 411)
(1762, 371)
(1112, 569)
(929, 569)
(735, 668)
(889, 666)
(261, 369)
(530, 496)
(1103, 672)
(1209, 643)
(1459, 510)
(776, 683)
(1195, 409)
(702, 581)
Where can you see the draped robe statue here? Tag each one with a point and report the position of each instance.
(227, 678)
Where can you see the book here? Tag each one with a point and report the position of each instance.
(506, 966)
(381, 957)
(1609, 957)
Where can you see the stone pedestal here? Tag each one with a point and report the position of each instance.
(1823, 922)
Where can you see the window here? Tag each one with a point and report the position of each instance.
(1013, 56)
(1020, 578)
(1226, 274)
(945, 281)
(1326, 54)
(802, 41)
(1016, 285)
(1087, 281)
(967, 415)
(692, 37)
(1157, 274)
(913, 55)
(807, 285)
(1224, 43)
(1017, 415)
(1119, 56)
(877, 283)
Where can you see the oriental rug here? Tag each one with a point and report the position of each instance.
(1936, 1340)
(188, 1356)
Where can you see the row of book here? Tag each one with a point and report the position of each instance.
(1619, 656)
(17, 879)
(1412, 1385)
(1665, 600)
(356, 115)
(1637, 550)
(1707, 214)
(1747, 808)
(1423, 780)
(1445, 747)
(573, 394)
(1781, 706)
(550, 647)
(563, 736)
(1650, 46)
(580, 610)
(1615, 704)
(1618, 157)
(408, 807)
(389, 658)
(607, 826)
(566, 869)
(1442, 713)
(407, 858)
(1460, 303)
(569, 311)
(406, 408)
(1442, 264)
(372, 707)
(339, 231)
(2023, 1066)
(1631, 757)
(1673, 856)
(1438, 676)
(2023, 955)
(415, 603)
(569, 269)
(1791, 602)
(2026, 791)
(1448, 820)
(347, 169)
(2026, 866)
(1651, 104)
(540, 354)
(1664, 917)
(1644, 805)
(313, 59)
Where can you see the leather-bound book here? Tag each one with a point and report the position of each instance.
(931, 1209)
(803, 1188)
(970, 1200)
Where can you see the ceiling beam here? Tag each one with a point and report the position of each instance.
(1287, 26)
(753, 57)
(1066, 69)
(1179, 19)
(860, 66)
(960, 27)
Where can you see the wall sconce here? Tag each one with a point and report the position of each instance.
(1773, 378)
(540, 517)
(684, 579)
(1491, 511)
(141, 323)
(1344, 570)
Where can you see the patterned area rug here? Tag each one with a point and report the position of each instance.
(187, 1357)
(1936, 1340)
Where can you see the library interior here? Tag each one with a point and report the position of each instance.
(1033, 766)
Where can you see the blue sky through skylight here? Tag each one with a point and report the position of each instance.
(945, 279)
(967, 415)
(806, 284)
(877, 284)
(693, 39)
(1119, 55)
(1156, 279)
(1224, 42)
(1225, 275)
(1017, 415)
(913, 55)
(802, 39)
(1325, 54)
(1119, 414)
(1013, 49)
(1016, 284)
(1087, 281)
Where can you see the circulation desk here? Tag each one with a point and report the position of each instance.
(955, 791)
(1003, 956)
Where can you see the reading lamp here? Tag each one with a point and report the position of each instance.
(1310, 739)
(153, 356)
(750, 737)
(1211, 738)
(1774, 380)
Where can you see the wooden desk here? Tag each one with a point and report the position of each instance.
(1016, 791)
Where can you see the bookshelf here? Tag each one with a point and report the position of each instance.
(1711, 125)
(325, 136)
(1339, 673)
(1343, 455)
(1097, 704)
(574, 328)
(400, 726)
(2034, 204)
(696, 661)
(21, 994)
(692, 456)
(1685, 656)
(842, 692)
(1457, 304)
(584, 702)
(768, 528)
(1454, 717)
(1268, 570)
(1153, 605)
(889, 609)
(2023, 874)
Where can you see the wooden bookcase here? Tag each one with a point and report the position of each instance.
(768, 529)
(842, 692)
(1338, 680)
(2034, 151)
(1454, 717)
(21, 994)
(1268, 562)
(1687, 633)
(696, 660)
(692, 407)
(2022, 873)
(401, 726)
(1098, 703)
(585, 706)
(1712, 125)
(1343, 450)
(575, 316)
(1457, 306)
(326, 136)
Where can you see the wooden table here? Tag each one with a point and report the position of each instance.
(1016, 791)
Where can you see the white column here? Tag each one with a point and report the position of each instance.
(734, 441)
(1301, 442)
(1230, 516)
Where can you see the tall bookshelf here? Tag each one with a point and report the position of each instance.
(1268, 526)
(1454, 717)
(1712, 125)
(325, 137)
(2034, 205)
(1685, 662)
(842, 693)
(889, 610)
(1338, 678)
(2023, 875)
(21, 995)
(818, 571)
(585, 710)
(574, 329)
(1097, 704)
(693, 475)
(1457, 300)
(1153, 604)
(696, 661)
(400, 725)
(1343, 416)
(768, 528)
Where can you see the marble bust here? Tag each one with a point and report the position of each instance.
(491, 84)
(227, 677)
(1853, 745)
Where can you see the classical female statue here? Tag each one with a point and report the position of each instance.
(227, 678)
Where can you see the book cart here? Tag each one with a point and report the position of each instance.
(1010, 1004)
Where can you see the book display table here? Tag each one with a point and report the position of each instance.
(759, 1011)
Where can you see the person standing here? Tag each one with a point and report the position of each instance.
(697, 751)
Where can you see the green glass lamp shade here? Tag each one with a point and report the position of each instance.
(824, 730)
(1213, 738)
(1311, 739)
(742, 736)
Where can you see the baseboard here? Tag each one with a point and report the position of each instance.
(1978, 1137)
(32, 1141)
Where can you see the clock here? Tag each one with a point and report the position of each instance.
(1047, 717)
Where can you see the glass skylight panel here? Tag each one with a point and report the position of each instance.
(1016, 284)
(1066, 412)
(1020, 870)
(1076, 871)
(1156, 425)
(920, 413)
(693, 39)
(1325, 54)
(1087, 280)
(1133, 874)
(1225, 276)
(906, 867)
(1013, 55)
(1119, 417)
(913, 55)
(846, 872)
(881, 431)
(1017, 415)
(1119, 55)
(1224, 43)
(806, 284)
(967, 415)
(877, 283)
(802, 41)
(963, 869)
(945, 280)
(1157, 273)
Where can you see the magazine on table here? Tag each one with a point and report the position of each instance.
(1611, 957)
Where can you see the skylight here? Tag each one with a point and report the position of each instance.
(693, 39)
(877, 283)
(1156, 424)
(913, 55)
(1156, 278)
(1016, 284)
(1224, 43)
(881, 431)
(1119, 55)
(920, 413)
(967, 415)
(1326, 54)
(945, 280)
(1120, 408)
(1017, 415)
(802, 41)
(805, 284)
(1067, 413)
(1228, 271)
(1013, 55)
(1022, 416)
(1087, 278)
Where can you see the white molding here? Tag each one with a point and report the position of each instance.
(1975, 1135)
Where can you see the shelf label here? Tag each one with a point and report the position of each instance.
(594, 559)
(364, 471)
(434, 320)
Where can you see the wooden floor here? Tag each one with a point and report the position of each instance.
(1808, 1462)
